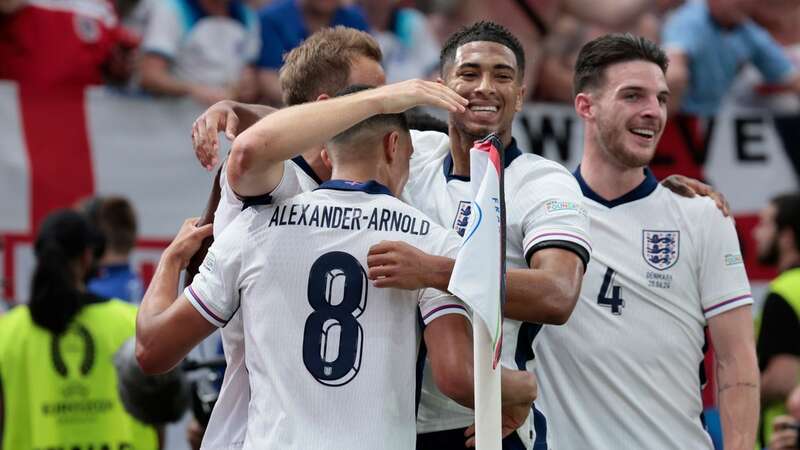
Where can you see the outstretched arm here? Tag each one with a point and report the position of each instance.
(168, 328)
(255, 164)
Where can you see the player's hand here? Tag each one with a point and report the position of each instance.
(396, 264)
(785, 434)
(399, 97)
(689, 187)
(187, 241)
(512, 416)
(205, 131)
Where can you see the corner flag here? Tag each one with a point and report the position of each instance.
(478, 279)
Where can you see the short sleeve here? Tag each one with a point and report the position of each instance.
(552, 214)
(214, 292)
(723, 280)
(434, 304)
(164, 31)
(768, 56)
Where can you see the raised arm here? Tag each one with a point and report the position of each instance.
(737, 376)
(168, 328)
(255, 165)
(228, 116)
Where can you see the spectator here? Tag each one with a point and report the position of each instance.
(56, 368)
(116, 219)
(778, 328)
(201, 48)
(286, 23)
(410, 49)
(785, 434)
(533, 20)
(707, 43)
(84, 44)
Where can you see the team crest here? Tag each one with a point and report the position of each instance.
(660, 248)
(462, 217)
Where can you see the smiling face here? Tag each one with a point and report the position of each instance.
(628, 112)
(486, 74)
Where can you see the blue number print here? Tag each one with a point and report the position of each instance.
(614, 301)
(333, 338)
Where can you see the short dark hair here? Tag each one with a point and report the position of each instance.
(321, 64)
(787, 214)
(377, 122)
(482, 31)
(611, 49)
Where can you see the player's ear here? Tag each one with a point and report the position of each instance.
(323, 97)
(391, 142)
(326, 158)
(520, 100)
(583, 105)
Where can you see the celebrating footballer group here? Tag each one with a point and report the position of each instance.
(340, 333)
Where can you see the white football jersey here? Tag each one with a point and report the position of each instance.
(331, 359)
(228, 423)
(544, 208)
(625, 371)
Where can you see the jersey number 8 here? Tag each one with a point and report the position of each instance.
(333, 338)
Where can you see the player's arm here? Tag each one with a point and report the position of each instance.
(167, 328)
(225, 116)
(737, 376)
(545, 293)
(448, 339)
(255, 164)
(207, 218)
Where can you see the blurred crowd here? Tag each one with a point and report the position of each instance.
(232, 49)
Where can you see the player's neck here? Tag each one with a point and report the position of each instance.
(608, 179)
(112, 258)
(314, 160)
(215, 7)
(460, 145)
(359, 172)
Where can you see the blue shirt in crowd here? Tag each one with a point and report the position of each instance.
(283, 28)
(716, 54)
(117, 281)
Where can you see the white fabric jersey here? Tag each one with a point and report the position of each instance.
(624, 372)
(228, 423)
(544, 208)
(327, 354)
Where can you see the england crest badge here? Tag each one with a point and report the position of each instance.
(661, 248)
(462, 217)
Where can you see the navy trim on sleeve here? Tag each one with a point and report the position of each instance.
(305, 167)
(256, 200)
(579, 250)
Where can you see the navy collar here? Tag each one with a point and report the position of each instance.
(305, 167)
(511, 153)
(370, 187)
(641, 191)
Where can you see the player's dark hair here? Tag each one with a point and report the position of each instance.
(64, 237)
(610, 49)
(787, 214)
(378, 122)
(482, 31)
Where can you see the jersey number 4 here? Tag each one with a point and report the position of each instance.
(610, 295)
(333, 338)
